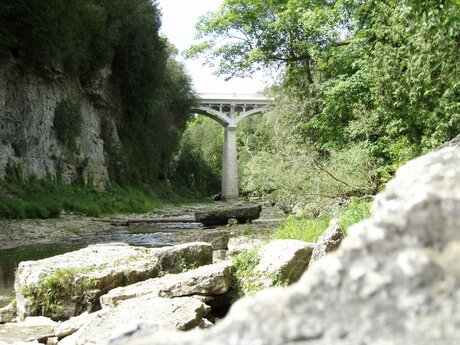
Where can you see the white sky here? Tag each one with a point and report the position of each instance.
(179, 18)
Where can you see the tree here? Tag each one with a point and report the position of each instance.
(249, 34)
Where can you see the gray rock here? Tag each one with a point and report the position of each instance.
(205, 281)
(217, 238)
(243, 213)
(8, 313)
(328, 242)
(181, 313)
(31, 330)
(72, 325)
(174, 259)
(219, 255)
(284, 260)
(240, 244)
(79, 278)
(394, 279)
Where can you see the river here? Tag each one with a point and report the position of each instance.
(38, 239)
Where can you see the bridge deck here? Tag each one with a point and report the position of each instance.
(233, 98)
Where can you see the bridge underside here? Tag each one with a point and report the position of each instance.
(228, 111)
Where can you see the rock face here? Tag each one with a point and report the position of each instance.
(29, 144)
(394, 280)
(79, 278)
(329, 241)
(221, 215)
(285, 260)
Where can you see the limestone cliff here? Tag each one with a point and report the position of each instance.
(29, 142)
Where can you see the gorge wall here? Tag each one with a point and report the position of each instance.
(30, 145)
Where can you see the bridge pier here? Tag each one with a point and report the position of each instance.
(230, 165)
(228, 111)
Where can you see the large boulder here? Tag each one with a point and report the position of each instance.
(284, 260)
(243, 213)
(393, 280)
(206, 280)
(67, 285)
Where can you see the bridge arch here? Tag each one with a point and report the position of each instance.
(214, 114)
(252, 112)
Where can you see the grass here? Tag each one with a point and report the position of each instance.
(310, 229)
(48, 199)
(304, 229)
(243, 277)
(46, 294)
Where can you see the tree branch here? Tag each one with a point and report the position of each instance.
(330, 174)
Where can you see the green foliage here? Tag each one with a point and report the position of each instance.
(46, 294)
(304, 229)
(47, 199)
(354, 212)
(246, 34)
(296, 174)
(243, 276)
(198, 163)
(187, 266)
(366, 86)
(68, 123)
(309, 229)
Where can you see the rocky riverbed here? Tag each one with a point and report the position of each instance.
(34, 239)
(71, 228)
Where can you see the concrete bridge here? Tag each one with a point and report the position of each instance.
(228, 110)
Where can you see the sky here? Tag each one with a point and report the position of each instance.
(179, 18)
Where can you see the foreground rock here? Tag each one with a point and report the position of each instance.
(284, 260)
(67, 285)
(394, 280)
(243, 213)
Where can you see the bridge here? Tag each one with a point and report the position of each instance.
(229, 110)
